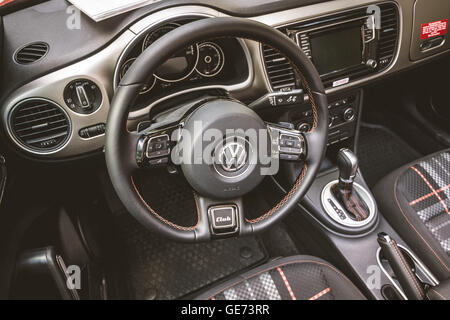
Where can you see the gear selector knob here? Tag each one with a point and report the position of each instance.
(347, 163)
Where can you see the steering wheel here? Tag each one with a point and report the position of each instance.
(230, 168)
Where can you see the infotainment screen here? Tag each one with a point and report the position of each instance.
(337, 49)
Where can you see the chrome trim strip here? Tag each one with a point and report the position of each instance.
(396, 286)
(329, 26)
(365, 195)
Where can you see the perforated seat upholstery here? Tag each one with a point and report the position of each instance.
(293, 278)
(416, 201)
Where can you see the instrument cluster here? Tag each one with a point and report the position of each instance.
(200, 64)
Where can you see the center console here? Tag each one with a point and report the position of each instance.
(341, 207)
(344, 113)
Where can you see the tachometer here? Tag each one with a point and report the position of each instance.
(124, 68)
(211, 59)
(181, 65)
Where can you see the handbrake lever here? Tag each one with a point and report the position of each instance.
(411, 285)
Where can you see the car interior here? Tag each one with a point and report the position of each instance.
(225, 150)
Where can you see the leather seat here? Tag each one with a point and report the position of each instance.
(415, 199)
(293, 278)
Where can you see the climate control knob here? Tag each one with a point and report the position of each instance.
(371, 63)
(349, 114)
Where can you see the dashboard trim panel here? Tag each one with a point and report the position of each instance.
(101, 66)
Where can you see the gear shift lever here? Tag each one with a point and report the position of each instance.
(347, 163)
(344, 191)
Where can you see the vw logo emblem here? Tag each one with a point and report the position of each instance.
(233, 156)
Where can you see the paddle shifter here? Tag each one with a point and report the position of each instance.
(344, 190)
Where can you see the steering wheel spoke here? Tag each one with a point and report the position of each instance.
(220, 218)
(224, 142)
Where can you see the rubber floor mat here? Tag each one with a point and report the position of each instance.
(161, 269)
(381, 151)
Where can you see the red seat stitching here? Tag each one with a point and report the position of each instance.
(432, 189)
(286, 264)
(428, 195)
(414, 228)
(320, 294)
(286, 282)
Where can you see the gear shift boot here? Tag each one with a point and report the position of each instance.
(352, 202)
(344, 190)
(345, 201)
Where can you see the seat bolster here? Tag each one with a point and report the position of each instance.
(440, 292)
(340, 286)
(392, 201)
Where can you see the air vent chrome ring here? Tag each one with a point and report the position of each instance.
(31, 53)
(52, 117)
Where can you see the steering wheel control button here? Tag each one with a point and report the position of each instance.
(223, 219)
(290, 144)
(159, 162)
(158, 147)
(290, 147)
(83, 96)
(289, 157)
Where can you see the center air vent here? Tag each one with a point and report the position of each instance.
(31, 53)
(40, 125)
(279, 70)
(388, 34)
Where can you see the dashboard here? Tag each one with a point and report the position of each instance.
(61, 113)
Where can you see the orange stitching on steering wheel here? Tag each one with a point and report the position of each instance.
(165, 220)
(285, 199)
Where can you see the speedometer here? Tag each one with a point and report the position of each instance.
(211, 59)
(178, 67)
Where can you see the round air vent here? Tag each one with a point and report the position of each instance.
(39, 125)
(31, 53)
